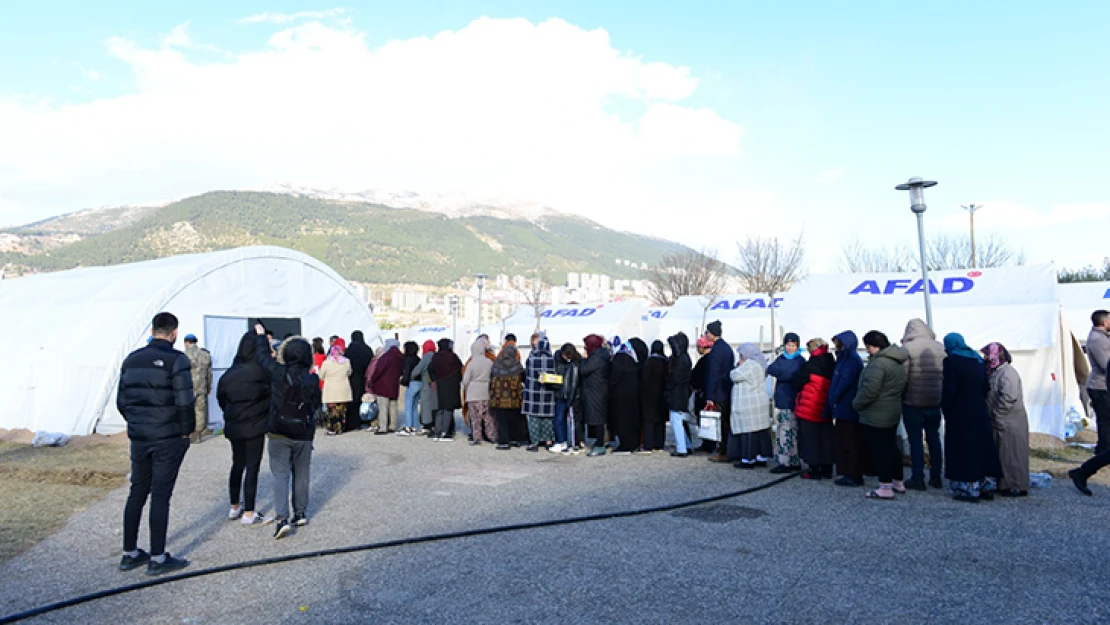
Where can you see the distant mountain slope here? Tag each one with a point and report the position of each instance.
(364, 242)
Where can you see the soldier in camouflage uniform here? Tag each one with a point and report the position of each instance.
(200, 362)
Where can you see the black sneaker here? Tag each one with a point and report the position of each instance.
(300, 520)
(169, 565)
(677, 454)
(844, 480)
(128, 563)
(915, 483)
(782, 468)
(503, 447)
(1080, 482)
(282, 530)
(936, 483)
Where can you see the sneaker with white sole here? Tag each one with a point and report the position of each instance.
(282, 530)
(234, 513)
(557, 448)
(254, 519)
(300, 520)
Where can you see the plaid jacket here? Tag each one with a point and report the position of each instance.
(751, 408)
(539, 399)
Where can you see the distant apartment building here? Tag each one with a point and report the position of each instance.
(409, 300)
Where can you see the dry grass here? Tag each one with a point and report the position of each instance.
(42, 487)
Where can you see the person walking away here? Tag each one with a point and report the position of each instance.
(653, 402)
(447, 369)
(751, 409)
(412, 386)
(971, 458)
(594, 371)
(718, 386)
(879, 404)
(567, 401)
(849, 444)
(624, 399)
(335, 373)
(360, 356)
(784, 369)
(1098, 354)
(385, 384)
(506, 395)
(244, 397)
(476, 381)
(155, 397)
(539, 398)
(921, 404)
(1006, 402)
(677, 393)
(200, 363)
(429, 399)
(294, 398)
(815, 427)
(698, 387)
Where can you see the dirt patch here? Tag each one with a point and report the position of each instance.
(43, 487)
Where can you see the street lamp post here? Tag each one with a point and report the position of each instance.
(971, 208)
(454, 299)
(916, 186)
(481, 285)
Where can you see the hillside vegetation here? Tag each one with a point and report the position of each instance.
(363, 242)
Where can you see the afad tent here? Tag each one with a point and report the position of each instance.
(462, 336)
(745, 318)
(571, 323)
(71, 330)
(1016, 306)
(1081, 299)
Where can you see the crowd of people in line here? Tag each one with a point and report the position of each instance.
(828, 414)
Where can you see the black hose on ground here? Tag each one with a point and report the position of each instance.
(416, 540)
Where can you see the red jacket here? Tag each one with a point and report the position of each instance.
(385, 378)
(814, 379)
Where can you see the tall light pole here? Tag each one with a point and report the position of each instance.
(481, 285)
(971, 208)
(454, 300)
(916, 186)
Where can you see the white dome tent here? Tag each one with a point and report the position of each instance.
(745, 318)
(72, 329)
(462, 335)
(1081, 299)
(571, 323)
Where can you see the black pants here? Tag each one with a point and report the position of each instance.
(154, 467)
(445, 423)
(246, 456)
(883, 443)
(1100, 401)
(851, 450)
(655, 435)
(508, 425)
(725, 409)
(1092, 466)
(816, 444)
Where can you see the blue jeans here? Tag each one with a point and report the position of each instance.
(560, 421)
(412, 404)
(918, 421)
(678, 424)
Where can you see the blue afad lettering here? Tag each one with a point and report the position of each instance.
(568, 312)
(950, 286)
(758, 302)
(1106, 295)
(658, 314)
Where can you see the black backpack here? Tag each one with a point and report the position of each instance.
(296, 416)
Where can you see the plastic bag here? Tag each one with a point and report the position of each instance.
(49, 439)
(368, 411)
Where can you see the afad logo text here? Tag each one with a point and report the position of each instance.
(948, 286)
(568, 312)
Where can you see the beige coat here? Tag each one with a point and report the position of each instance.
(1011, 426)
(337, 383)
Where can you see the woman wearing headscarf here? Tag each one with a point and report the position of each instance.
(1010, 420)
(594, 371)
(784, 369)
(653, 405)
(751, 409)
(506, 395)
(815, 428)
(475, 383)
(624, 398)
(879, 404)
(335, 376)
(568, 401)
(848, 440)
(970, 456)
(677, 393)
(429, 401)
(448, 374)
(539, 398)
(412, 384)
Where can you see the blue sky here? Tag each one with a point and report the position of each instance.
(767, 118)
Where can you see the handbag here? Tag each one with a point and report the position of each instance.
(709, 425)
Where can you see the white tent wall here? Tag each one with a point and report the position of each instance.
(73, 329)
(463, 336)
(573, 322)
(1081, 299)
(1016, 306)
(745, 318)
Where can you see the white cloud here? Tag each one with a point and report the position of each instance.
(547, 112)
(178, 37)
(93, 74)
(285, 18)
(829, 176)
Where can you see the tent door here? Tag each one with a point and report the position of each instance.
(221, 339)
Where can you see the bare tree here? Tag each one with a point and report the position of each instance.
(686, 273)
(532, 291)
(771, 266)
(856, 258)
(942, 252)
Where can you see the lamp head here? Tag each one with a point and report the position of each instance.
(916, 186)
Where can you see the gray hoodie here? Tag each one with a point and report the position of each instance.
(925, 372)
(1098, 353)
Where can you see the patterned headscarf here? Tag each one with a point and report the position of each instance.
(996, 356)
(336, 354)
(626, 348)
(749, 351)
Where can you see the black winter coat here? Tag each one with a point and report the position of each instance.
(244, 394)
(360, 355)
(624, 391)
(594, 372)
(571, 390)
(677, 392)
(406, 368)
(297, 356)
(155, 393)
(653, 382)
(969, 450)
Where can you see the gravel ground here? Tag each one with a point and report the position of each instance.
(799, 552)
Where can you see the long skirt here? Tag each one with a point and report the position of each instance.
(541, 429)
(786, 439)
(1012, 438)
(337, 415)
(815, 442)
(753, 447)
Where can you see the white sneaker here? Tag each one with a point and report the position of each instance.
(254, 519)
(557, 448)
(234, 513)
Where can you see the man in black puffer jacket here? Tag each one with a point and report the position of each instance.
(155, 397)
